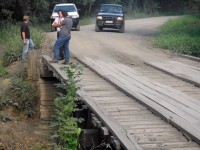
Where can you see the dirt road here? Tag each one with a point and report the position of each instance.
(132, 47)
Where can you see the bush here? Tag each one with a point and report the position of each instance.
(181, 35)
(3, 72)
(21, 96)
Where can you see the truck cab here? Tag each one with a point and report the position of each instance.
(110, 16)
(72, 12)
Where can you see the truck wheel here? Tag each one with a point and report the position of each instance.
(121, 30)
(53, 29)
(96, 28)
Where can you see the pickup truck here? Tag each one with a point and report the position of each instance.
(110, 16)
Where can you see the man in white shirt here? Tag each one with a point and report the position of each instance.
(58, 21)
(54, 24)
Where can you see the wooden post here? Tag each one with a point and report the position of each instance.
(33, 66)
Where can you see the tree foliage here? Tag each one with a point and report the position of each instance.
(40, 10)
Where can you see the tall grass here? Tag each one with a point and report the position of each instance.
(181, 35)
(10, 36)
(85, 20)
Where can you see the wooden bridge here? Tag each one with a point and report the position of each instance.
(130, 108)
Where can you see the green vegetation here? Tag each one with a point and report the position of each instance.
(87, 20)
(138, 14)
(68, 132)
(20, 95)
(3, 72)
(11, 38)
(181, 35)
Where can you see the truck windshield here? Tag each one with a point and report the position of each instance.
(68, 8)
(111, 9)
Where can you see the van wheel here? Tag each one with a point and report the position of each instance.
(77, 27)
(52, 29)
(121, 30)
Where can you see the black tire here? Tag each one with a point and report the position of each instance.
(121, 30)
(53, 29)
(77, 28)
(100, 28)
(96, 28)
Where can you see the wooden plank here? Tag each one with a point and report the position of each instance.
(116, 130)
(185, 108)
(165, 90)
(189, 148)
(56, 67)
(169, 145)
(97, 88)
(158, 109)
(130, 112)
(135, 118)
(33, 72)
(153, 140)
(179, 70)
(147, 126)
(152, 130)
(138, 85)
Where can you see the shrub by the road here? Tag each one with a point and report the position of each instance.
(20, 95)
(181, 35)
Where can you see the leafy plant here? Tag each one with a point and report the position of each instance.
(21, 96)
(68, 131)
(4, 118)
(3, 72)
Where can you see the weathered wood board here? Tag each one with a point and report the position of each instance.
(180, 70)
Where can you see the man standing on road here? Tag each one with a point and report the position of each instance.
(63, 39)
(54, 24)
(26, 37)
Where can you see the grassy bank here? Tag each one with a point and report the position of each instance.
(10, 37)
(181, 35)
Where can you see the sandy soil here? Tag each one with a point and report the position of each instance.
(132, 47)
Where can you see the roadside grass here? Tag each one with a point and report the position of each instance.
(85, 20)
(181, 35)
(46, 27)
(137, 15)
(10, 37)
(3, 72)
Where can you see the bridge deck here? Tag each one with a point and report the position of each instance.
(185, 72)
(132, 123)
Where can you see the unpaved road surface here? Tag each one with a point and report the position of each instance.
(131, 47)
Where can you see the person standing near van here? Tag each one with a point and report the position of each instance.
(63, 39)
(54, 24)
(58, 21)
(26, 37)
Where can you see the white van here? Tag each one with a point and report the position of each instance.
(72, 12)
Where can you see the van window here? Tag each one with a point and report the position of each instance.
(69, 8)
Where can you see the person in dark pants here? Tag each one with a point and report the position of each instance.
(54, 24)
(26, 38)
(63, 39)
